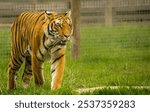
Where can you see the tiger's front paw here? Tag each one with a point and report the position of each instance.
(26, 82)
(55, 86)
(25, 85)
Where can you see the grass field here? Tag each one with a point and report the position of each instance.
(114, 56)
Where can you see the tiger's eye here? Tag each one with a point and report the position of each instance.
(58, 23)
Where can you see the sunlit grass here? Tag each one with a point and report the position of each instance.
(114, 56)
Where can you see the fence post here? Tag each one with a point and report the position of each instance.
(108, 13)
(75, 7)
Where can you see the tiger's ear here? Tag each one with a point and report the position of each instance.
(68, 14)
(48, 14)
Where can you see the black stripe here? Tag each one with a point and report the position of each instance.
(50, 46)
(20, 60)
(15, 37)
(38, 18)
(44, 41)
(16, 61)
(20, 21)
(23, 55)
(21, 48)
(56, 50)
(52, 71)
(41, 53)
(57, 59)
(14, 69)
(28, 72)
(18, 42)
(33, 28)
(46, 47)
(14, 64)
(28, 60)
(27, 15)
(24, 16)
(49, 32)
(62, 44)
(39, 59)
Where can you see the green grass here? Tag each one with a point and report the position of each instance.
(119, 91)
(4, 43)
(114, 56)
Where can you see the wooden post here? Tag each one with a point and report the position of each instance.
(108, 13)
(75, 7)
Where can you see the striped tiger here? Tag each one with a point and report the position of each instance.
(38, 36)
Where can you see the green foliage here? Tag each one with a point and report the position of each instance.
(109, 56)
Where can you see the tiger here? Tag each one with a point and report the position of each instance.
(38, 36)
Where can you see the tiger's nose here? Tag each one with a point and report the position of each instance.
(66, 36)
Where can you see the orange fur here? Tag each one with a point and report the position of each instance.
(56, 83)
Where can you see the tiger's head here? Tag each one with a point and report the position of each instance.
(59, 26)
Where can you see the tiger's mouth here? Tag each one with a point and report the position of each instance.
(57, 40)
(62, 38)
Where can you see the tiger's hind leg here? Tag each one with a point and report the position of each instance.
(14, 65)
(27, 71)
(37, 70)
